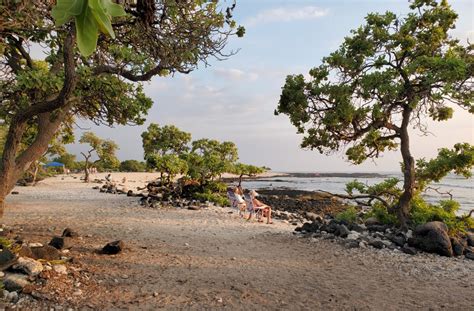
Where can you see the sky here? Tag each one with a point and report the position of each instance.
(234, 100)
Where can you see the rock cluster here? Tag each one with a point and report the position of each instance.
(431, 237)
(155, 195)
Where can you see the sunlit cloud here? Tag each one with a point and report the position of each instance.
(235, 74)
(284, 14)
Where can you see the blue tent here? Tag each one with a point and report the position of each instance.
(54, 164)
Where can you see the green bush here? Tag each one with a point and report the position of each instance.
(349, 215)
(380, 212)
(215, 187)
(212, 197)
(422, 212)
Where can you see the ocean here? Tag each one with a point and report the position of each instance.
(461, 188)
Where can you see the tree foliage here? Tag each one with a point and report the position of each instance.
(104, 149)
(242, 170)
(154, 38)
(132, 166)
(165, 140)
(389, 74)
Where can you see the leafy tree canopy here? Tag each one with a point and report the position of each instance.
(390, 74)
(165, 140)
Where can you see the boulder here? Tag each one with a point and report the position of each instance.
(313, 217)
(470, 256)
(372, 221)
(432, 237)
(14, 282)
(409, 250)
(353, 235)
(356, 227)
(46, 252)
(398, 239)
(194, 207)
(470, 239)
(28, 266)
(352, 244)
(377, 243)
(309, 227)
(458, 246)
(114, 247)
(60, 242)
(70, 233)
(342, 231)
(7, 259)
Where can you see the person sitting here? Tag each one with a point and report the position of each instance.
(259, 208)
(236, 199)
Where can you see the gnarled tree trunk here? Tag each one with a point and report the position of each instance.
(13, 166)
(403, 206)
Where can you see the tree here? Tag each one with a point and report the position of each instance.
(246, 170)
(390, 74)
(104, 149)
(68, 159)
(165, 140)
(154, 38)
(132, 166)
(169, 165)
(209, 159)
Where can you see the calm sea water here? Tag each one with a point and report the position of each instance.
(461, 188)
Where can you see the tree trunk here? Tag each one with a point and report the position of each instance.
(403, 206)
(12, 166)
(86, 170)
(240, 180)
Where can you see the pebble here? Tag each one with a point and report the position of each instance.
(32, 245)
(77, 293)
(61, 269)
(155, 294)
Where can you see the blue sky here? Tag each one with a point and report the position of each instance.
(234, 99)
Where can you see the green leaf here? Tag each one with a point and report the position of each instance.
(87, 32)
(103, 20)
(65, 9)
(113, 9)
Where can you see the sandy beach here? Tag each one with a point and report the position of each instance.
(213, 259)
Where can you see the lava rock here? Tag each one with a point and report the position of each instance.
(113, 248)
(7, 259)
(371, 221)
(314, 217)
(70, 233)
(342, 231)
(470, 239)
(310, 227)
(194, 207)
(356, 227)
(28, 266)
(352, 244)
(14, 282)
(46, 252)
(432, 237)
(409, 250)
(397, 239)
(377, 228)
(60, 242)
(377, 243)
(470, 256)
(458, 246)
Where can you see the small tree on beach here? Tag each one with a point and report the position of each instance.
(246, 170)
(389, 75)
(118, 47)
(132, 166)
(104, 149)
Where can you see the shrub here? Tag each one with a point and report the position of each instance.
(349, 215)
(445, 211)
(380, 212)
(212, 197)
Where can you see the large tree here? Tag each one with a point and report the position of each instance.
(389, 75)
(153, 38)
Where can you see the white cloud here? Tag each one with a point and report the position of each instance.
(284, 14)
(235, 74)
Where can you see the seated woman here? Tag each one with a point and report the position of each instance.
(240, 201)
(266, 210)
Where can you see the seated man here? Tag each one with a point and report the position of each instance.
(258, 206)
